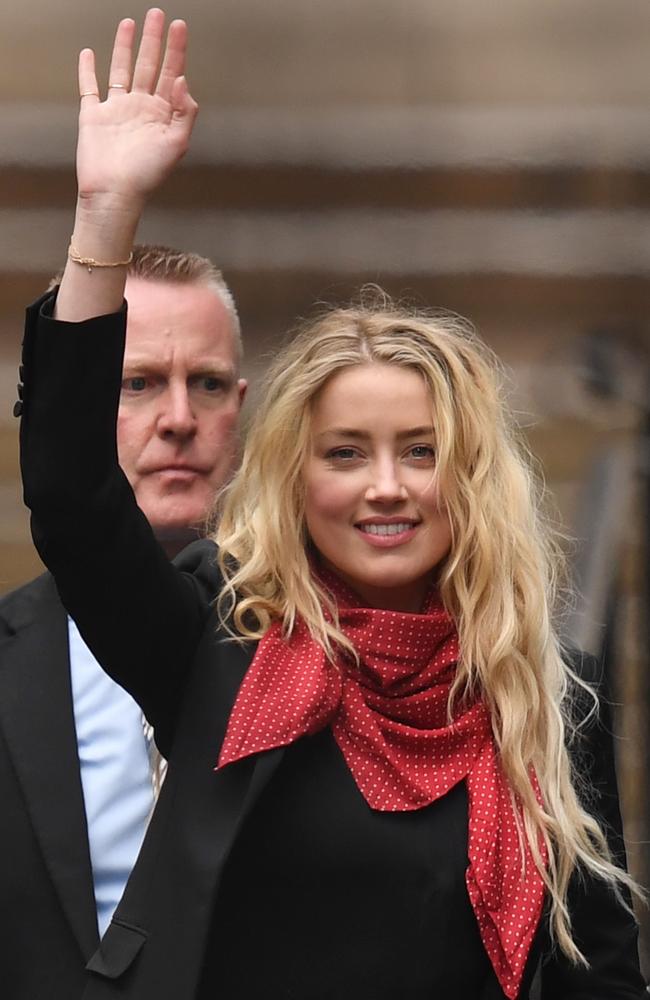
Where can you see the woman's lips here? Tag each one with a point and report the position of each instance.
(386, 535)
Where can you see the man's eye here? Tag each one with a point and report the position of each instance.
(211, 383)
(136, 384)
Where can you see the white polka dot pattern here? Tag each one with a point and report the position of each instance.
(389, 717)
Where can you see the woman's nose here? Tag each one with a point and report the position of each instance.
(386, 484)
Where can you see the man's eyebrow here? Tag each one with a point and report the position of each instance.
(227, 374)
(200, 367)
(424, 430)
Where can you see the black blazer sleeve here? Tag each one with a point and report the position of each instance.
(604, 930)
(139, 614)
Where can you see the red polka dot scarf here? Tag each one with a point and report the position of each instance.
(389, 717)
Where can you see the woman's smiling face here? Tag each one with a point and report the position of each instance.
(371, 506)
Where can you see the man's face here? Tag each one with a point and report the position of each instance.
(177, 421)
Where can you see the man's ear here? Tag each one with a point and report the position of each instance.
(242, 386)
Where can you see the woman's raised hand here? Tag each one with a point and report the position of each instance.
(127, 145)
(129, 142)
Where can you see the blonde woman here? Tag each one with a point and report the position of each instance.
(372, 790)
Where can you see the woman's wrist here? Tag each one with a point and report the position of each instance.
(109, 203)
(104, 230)
(105, 226)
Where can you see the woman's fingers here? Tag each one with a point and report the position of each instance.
(88, 88)
(184, 107)
(174, 62)
(119, 74)
(147, 75)
(144, 77)
(147, 64)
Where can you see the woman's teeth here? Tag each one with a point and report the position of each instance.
(386, 529)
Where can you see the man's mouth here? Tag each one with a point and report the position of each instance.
(178, 468)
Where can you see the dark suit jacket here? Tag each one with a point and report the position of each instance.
(48, 923)
(153, 627)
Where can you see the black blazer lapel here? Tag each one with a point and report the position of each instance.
(253, 773)
(128, 929)
(170, 896)
(37, 719)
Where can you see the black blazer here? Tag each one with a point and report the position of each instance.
(153, 626)
(48, 922)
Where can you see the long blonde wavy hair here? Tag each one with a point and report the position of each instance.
(499, 581)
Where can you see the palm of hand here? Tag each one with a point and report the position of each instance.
(128, 144)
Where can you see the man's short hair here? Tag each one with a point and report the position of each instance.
(156, 262)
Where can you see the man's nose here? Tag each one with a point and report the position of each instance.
(177, 417)
(386, 485)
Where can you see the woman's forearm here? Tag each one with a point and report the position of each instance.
(104, 230)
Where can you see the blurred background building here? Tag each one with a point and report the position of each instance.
(491, 158)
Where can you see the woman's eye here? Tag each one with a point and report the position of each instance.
(422, 451)
(342, 454)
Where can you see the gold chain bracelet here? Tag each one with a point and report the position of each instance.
(90, 262)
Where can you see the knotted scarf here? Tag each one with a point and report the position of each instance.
(388, 714)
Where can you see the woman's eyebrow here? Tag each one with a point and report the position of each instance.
(422, 431)
(353, 432)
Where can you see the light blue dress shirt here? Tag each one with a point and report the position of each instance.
(115, 774)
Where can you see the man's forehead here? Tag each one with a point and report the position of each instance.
(171, 321)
